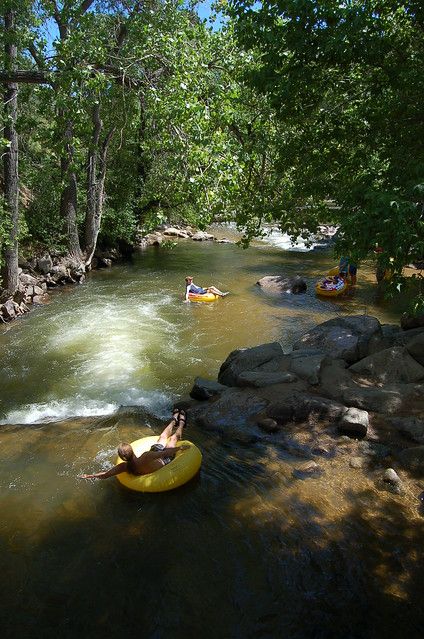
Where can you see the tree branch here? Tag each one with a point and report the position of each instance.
(85, 5)
(27, 77)
(39, 61)
(42, 77)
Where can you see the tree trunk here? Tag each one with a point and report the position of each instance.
(68, 200)
(96, 175)
(141, 164)
(10, 159)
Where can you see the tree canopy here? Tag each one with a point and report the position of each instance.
(295, 112)
(345, 82)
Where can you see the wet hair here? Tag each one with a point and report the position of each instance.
(125, 451)
(189, 277)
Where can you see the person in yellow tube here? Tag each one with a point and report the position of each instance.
(199, 290)
(159, 455)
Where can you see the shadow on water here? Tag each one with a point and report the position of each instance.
(244, 550)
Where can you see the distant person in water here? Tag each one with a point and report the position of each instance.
(199, 290)
(159, 455)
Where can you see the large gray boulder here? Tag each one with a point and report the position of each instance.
(172, 231)
(399, 337)
(307, 363)
(388, 400)
(231, 415)
(45, 264)
(390, 366)
(205, 389)
(349, 338)
(335, 378)
(415, 347)
(247, 359)
(413, 458)
(258, 379)
(298, 407)
(410, 321)
(282, 284)
(411, 427)
(27, 280)
(9, 309)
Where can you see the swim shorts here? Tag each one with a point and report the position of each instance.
(158, 448)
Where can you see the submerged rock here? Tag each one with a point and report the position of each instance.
(307, 470)
(282, 284)
(268, 425)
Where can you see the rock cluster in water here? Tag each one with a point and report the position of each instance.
(166, 233)
(40, 274)
(349, 379)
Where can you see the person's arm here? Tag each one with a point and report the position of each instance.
(116, 470)
(166, 452)
(187, 299)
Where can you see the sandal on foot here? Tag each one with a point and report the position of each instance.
(182, 418)
(175, 416)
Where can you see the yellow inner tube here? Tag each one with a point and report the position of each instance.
(179, 471)
(330, 292)
(206, 297)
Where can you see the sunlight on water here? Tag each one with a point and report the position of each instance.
(125, 337)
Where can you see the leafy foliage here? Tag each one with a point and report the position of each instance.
(297, 112)
(345, 81)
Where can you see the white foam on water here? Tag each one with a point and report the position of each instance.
(57, 411)
(110, 348)
(156, 403)
(283, 241)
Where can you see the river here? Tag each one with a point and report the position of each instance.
(245, 549)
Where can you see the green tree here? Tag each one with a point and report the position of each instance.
(345, 81)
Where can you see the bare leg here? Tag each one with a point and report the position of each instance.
(172, 441)
(167, 431)
(216, 291)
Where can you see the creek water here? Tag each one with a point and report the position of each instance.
(245, 549)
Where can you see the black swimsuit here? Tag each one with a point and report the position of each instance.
(158, 448)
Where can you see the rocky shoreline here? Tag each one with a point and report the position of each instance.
(38, 276)
(350, 386)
